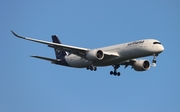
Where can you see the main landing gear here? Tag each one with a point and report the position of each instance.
(115, 70)
(91, 67)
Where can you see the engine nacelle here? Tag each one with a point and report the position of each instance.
(141, 65)
(95, 55)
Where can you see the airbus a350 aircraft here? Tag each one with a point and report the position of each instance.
(115, 55)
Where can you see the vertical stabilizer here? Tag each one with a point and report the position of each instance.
(58, 52)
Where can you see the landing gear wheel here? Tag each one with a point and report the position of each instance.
(111, 72)
(92, 68)
(154, 60)
(115, 71)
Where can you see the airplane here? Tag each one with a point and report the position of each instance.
(116, 55)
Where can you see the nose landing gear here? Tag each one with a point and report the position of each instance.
(154, 61)
(115, 71)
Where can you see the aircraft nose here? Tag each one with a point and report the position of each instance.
(162, 48)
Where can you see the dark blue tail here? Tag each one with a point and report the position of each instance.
(59, 53)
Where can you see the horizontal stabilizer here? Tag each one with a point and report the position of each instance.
(47, 59)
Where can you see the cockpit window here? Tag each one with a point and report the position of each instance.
(156, 43)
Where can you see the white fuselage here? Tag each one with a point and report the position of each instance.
(126, 51)
(114, 55)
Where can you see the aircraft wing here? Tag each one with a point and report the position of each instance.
(128, 62)
(72, 49)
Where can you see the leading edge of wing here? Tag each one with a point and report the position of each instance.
(64, 47)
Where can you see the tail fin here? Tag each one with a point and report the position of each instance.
(59, 53)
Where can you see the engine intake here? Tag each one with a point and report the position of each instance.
(95, 55)
(141, 65)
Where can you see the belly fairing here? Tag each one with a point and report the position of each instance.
(76, 61)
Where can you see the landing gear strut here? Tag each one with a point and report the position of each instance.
(154, 60)
(115, 71)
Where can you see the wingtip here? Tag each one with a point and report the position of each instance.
(17, 35)
(33, 56)
(14, 33)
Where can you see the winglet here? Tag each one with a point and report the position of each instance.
(17, 35)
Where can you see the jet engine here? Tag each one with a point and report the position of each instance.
(141, 65)
(95, 55)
